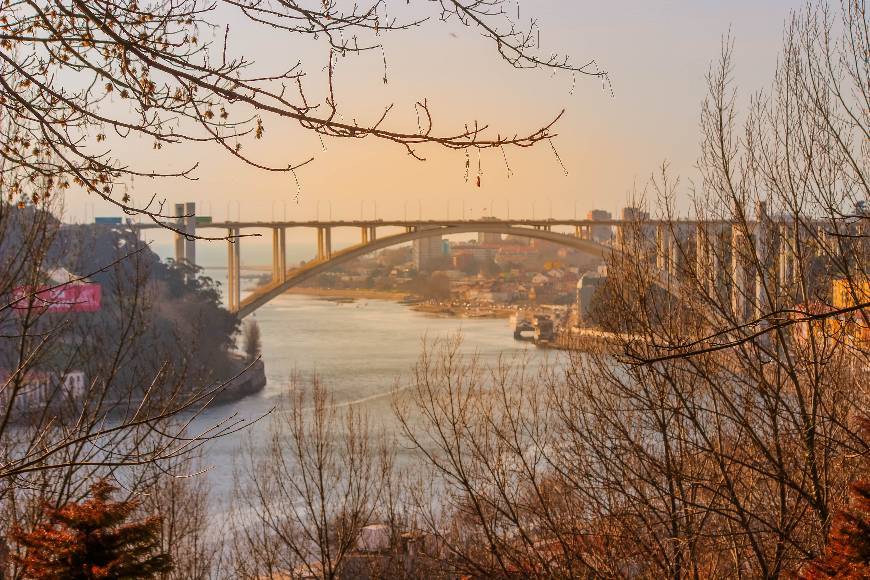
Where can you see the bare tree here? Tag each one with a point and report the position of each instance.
(716, 433)
(78, 76)
(86, 396)
(300, 506)
(177, 492)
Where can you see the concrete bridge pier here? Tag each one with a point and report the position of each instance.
(233, 269)
(738, 273)
(282, 253)
(185, 236)
(364, 235)
(237, 268)
(324, 243)
(786, 257)
(665, 259)
(276, 254)
(718, 251)
(587, 233)
(373, 233)
(319, 243)
(180, 226)
(704, 257)
(764, 272)
(190, 230)
(710, 256)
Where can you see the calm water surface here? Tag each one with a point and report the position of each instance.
(359, 350)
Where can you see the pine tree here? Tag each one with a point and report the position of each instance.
(252, 339)
(847, 555)
(93, 540)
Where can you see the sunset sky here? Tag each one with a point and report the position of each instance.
(656, 52)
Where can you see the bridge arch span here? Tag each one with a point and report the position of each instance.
(298, 275)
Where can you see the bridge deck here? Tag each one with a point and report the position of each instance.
(425, 223)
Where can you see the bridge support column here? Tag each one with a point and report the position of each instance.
(327, 242)
(718, 255)
(233, 269)
(230, 271)
(785, 258)
(190, 230)
(282, 254)
(276, 266)
(664, 250)
(764, 257)
(237, 267)
(738, 273)
(320, 245)
(704, 257)
(179, 238)
(373, 233)
(364, 235)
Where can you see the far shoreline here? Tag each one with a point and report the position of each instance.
(364, 293)
(427, 308)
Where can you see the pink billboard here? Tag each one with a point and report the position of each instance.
(67, 298)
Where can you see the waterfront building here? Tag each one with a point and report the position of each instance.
(849, 294)
(489, 238)
(600, 233)
(428, 253)
(586, 287)
(39, 388)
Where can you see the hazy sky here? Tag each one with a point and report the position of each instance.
(656, 52)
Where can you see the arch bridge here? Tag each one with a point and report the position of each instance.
(670, 256)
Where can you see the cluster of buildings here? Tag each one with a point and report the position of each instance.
(496, 270)
(842, 320)
(39, 388)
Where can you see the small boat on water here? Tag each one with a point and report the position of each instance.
(524, 330)
(522, 327)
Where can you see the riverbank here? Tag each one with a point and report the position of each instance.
(358, 293)
(462, 311)
(251, 380)
(437, 308)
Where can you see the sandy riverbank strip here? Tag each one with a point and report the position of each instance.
(348, 293)
(428, 308)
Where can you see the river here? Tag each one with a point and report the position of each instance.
(359, 350)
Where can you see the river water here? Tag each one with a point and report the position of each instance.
(359, 350)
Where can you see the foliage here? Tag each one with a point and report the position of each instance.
(253, 345)
(94, 539)
(847, 555)
(78, 78)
